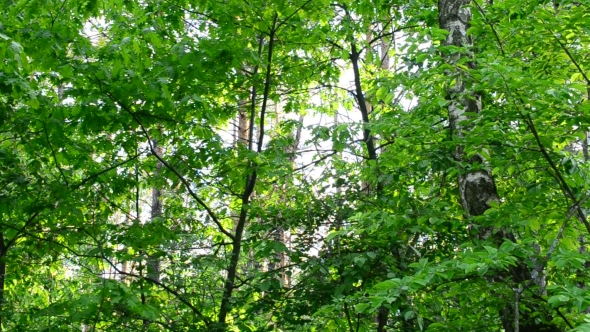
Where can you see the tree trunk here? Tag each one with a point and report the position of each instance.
(243, 126)
(477, 188)
(232, 270)
(582, 238)
(284, 236)
(153, 263)
(382, 313)
(3, 252)
(280, 260)
(360, 98)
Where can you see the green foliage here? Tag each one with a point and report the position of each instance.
(109, 106)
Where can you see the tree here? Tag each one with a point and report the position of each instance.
(450, 192)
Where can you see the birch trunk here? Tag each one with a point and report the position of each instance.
(153, 263)
(3, 252)
(477, 188)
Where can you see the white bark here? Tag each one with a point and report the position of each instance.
(477, 187)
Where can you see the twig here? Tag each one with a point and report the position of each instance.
(491, 27)
(54, 155)
(90, 177)
(390, 33)
(566, 50)
(170, 167)
(316, 161)
(567, 190)
(165, 287)
(278, 26)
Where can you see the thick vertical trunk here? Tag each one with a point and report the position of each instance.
(243, 141)
(280, 259)
(385, 54)
(477, 188)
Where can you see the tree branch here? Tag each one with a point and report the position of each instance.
(566, 50)
(170, 167)
(566, 188)
(278, 26)
(165, 287)
(54, 155)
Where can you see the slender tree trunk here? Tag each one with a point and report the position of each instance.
(243, 126)
(277, 234)
(382, 313)
(280, 260)
(385, 54)
(232, 270)
(243, 141)
(3, 252)
(585, 146)
(283, 235)
(582, 238)
(360, 97)
(368, 105)
(153, 263)
(366, 108)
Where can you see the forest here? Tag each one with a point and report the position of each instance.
(294, 165)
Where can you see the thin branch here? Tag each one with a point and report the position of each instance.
(334, 44)
(54, 155)
(316, 161)
(165, 287)
(278, 26)
(90, 177)
(572, 210)
(104, 285)
(245, 281)
(538, 297)
(491, 27)
(21, 230)
(564, 318)
(209, 17)
(566, 50)
(170, 167)
(383, 35)
(567, 190)
(347, 314)
(330, 86)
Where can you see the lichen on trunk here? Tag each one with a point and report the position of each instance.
(477, 188)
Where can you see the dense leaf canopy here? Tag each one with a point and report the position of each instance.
(177, 165)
